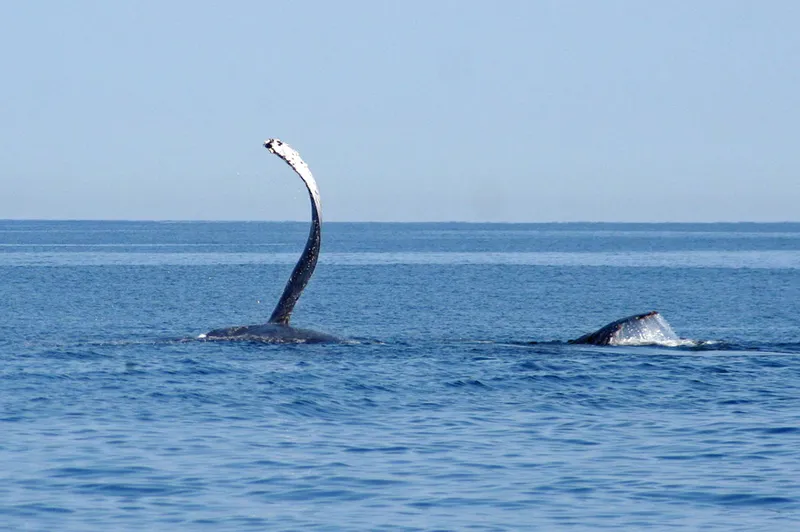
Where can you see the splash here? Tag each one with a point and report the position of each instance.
(653, 330)
(642, 329)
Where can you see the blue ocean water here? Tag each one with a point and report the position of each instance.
(456, 406)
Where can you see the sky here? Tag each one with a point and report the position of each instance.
(507, 111)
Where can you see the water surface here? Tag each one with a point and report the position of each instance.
(440, 414)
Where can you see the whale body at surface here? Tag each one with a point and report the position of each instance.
(640, 329)
(277, 329)
(270, 333)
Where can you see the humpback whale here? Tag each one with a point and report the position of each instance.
(639, 329)
(277, 329)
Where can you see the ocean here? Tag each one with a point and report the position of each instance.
(456, 402)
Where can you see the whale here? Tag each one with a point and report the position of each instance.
(639, 329)
(277, 329)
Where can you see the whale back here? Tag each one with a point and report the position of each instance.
(270, 333)
(639, 329)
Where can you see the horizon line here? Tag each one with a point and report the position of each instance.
(484, 222)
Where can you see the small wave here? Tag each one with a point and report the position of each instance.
(460, 383)
(725, 499)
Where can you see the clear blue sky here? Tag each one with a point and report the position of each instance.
(405, 110)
